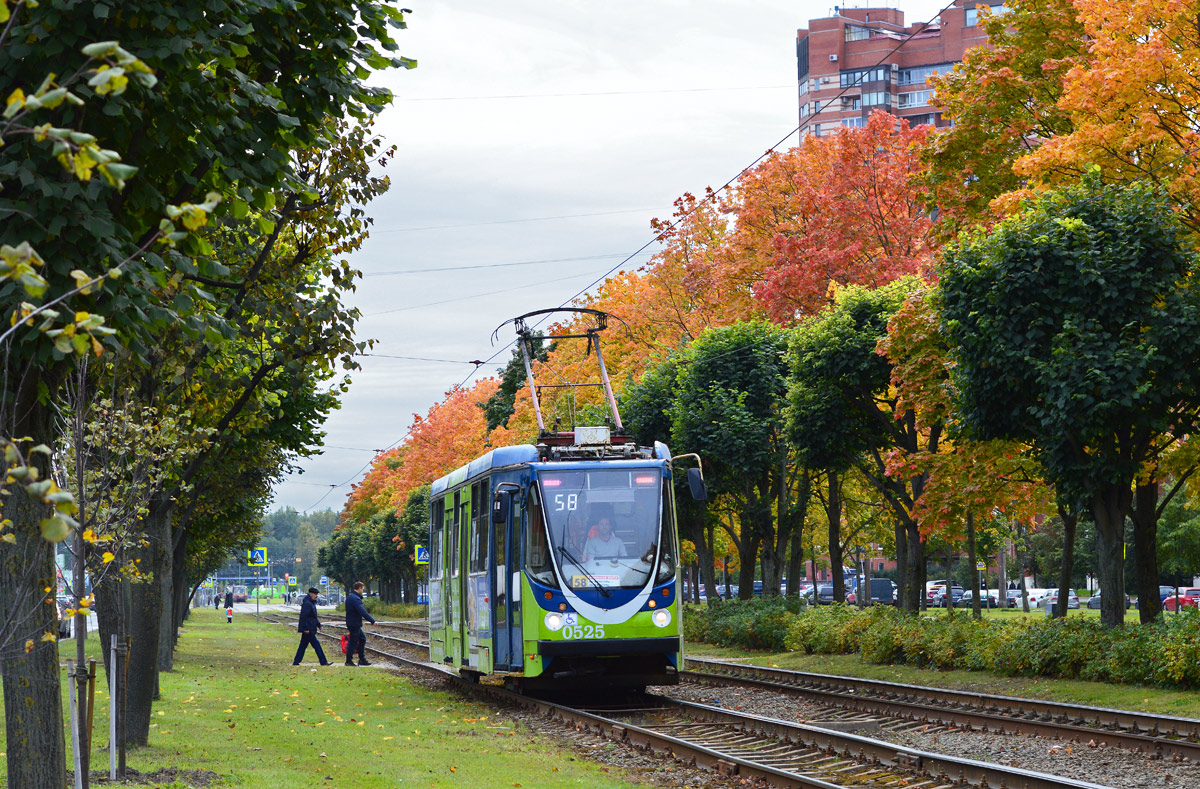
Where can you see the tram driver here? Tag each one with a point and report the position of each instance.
(604, 544)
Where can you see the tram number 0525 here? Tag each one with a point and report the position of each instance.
(583, 631)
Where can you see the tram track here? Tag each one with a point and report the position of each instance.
(775, 752)
(1152, 735)
(907, 707)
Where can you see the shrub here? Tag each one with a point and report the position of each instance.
(759, 623)
(1165, 652)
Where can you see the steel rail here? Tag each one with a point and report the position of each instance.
(1142, 732)
(873, 758)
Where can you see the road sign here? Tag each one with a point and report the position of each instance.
(980, 566)
(324, 580)
(256, 557)
(422, 554)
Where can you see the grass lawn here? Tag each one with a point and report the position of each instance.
(1132, 697)
(236, 706)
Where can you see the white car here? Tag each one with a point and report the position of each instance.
(1072, 599)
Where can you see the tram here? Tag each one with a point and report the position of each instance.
(554, 565)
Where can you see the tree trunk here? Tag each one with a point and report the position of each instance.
(972, 570)
(1145, 550)
(902, 579)
(164, 573)
(1070, 519)
(1002, 560)
(1109, 506)
(748, 556)
(145, 622)
(36, 751)
(833, 513)
(1022, 557)
(795, 569)
(915, 552)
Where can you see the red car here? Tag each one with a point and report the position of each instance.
(1189, 597)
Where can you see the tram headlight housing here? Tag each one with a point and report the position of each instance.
(554, 622)
(661, 617)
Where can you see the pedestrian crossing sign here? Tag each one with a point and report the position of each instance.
(422, 554)
(256, 557)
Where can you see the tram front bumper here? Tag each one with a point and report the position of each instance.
(609, 647)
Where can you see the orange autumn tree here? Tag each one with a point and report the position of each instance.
(1003, 101)
(966, 482)
(453, 432)
(1133, 101)
(849, 209)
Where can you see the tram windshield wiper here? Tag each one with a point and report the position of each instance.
(564, 553)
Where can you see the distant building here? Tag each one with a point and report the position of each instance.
(842, 52)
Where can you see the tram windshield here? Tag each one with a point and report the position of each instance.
(604, 525)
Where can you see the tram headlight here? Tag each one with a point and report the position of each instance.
(554, 621)
(661, 617)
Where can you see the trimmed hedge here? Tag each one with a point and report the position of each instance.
(390, 610)
(759, 623)
(1165, 653)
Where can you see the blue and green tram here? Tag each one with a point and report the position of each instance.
(555, 567)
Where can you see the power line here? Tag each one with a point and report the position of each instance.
(597, 93)
(675, 223)
(479, 295)
(659, 235)
(492, 265)
(419, 359)
(515, 221)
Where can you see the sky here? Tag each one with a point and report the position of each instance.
(535, 142)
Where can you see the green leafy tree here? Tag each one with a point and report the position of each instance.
(1075, 327)
(843, 413)
(728, 406)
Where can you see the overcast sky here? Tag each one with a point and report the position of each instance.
(547, 135)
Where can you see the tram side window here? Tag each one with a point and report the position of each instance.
(479, 526)
(435, 539)
(537, 554)
(454, 530)
(666, 562)
(473, 562)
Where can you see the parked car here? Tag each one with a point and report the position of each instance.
(883, 591)
(1072, 599)
(1164, 592)
(989, 599)
(1037, 596)
(1188, 597)
(938, 596)
(1013, 596)
(1094, 601)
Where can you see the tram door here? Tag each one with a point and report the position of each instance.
(500, 583)
(449, 589)
(513, 578)
(461, 568)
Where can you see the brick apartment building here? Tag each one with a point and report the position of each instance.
(842, 52)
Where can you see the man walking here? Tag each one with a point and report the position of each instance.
(229, 605)
(356, 612)
(308, 627)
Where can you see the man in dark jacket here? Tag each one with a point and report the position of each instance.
(309, 625)
(356, 612)
(229, 605)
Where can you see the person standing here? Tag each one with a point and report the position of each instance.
(308, 627)
(356, 612)
(216, 598)
(229, 604)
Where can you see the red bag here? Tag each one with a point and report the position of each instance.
(345, 642)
